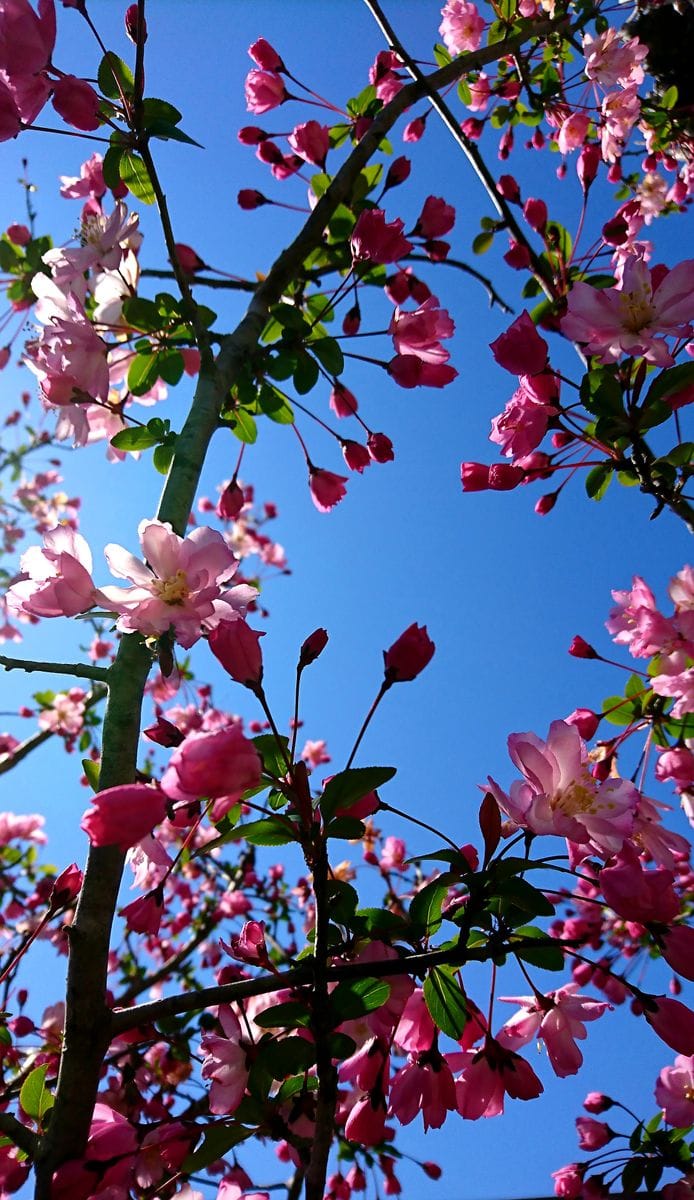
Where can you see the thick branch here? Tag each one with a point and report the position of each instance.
(77, 670)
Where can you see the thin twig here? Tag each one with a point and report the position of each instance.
(78, 670)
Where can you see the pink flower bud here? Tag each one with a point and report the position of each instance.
(580, 648)
(136, 33)
(414, 131)
(265, 56)
(327, 488)
(546, 503)
(587, 164)
(672, 1021)
(237, 648)
(251, 135)
(472, 127)
(4, 359)
(474, 476)
(503, 477)
(249, 198)
(231, 502)
(121, 816)
(19, 235)
(311, 141)
(508, 187)
(355, 455)
(222, 763)
(351, 323)
(342, 401)
(398, 172)
(380, 447)
(585, 720)
(66, 887)
(312, 647)
(409, 655)
(597, 1102)
(77, 103)
(432, 1169)
(144, 914)
(436, 218)
(535, 213)
(678, 949)
(249, 945)
(164, 733)
(592, 1135)
(264, 91)
(188, 259)
(517, 256)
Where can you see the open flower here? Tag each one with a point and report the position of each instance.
(181, 586)
(559, 794)
(558, 1019)
(56, 578)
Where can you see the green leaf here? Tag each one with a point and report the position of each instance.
(619, 711)
(244, 428)
(271, 752)
(354, 998)
(601, 393)
(549, 957)
(217, 1141)
(166, 131)
(133, 173)
(270, 831)
(111, 166)
(446, 1001)
(329, 355)
(441, 55)
(482, 242)
(288, 1056)
(142, 314)
(380, 921)
(170, 366)
(632, 1175)
(159, 110)
(275, 406)
(348, 828)
(518, 893)
(113, 72)
(137, 437)
(163, 457)
(598, 480)
(34, 1096)
(668, 100)
(425, 908)
(143, 373)
(345, 788)
(91, 770)
(305, 373)
(291, 1015)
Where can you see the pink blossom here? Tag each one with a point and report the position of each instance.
(520, 349)
(674, 1092)
(237, 648)
(393, 854)
(221, 763)
(620, 112)
(410, 371)
(672, 1021)
(311, 141)
(249, 945)
(559, 795)
(461, 27)
(436, 218)
(568, 1181)
(225, 1064)
(380, 447)
(55, 578)
(69, 358)
(65, 713)
(488, 1075)
(365, 1123)
(327, 489)
(315, 753)
(638, 894)
(558, 1019)
(678, 949)
(182, 585)
(520, 428)
(424, 1084)
(415, 1031)
(356, 456)
(636, 622)
(77, 103)
(144, 915)
(611, 60)
(420, 332)
(90, 181)
(376, 240)
(123, 815)
(265, 90)
(27, 827)
(572, 133)
(342, 401)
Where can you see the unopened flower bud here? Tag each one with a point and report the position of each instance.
(249, 198)
(136, 31)
(580, 648)
(312, 647)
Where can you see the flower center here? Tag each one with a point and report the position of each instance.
(578, 797)
(637, 312)
(173, 590)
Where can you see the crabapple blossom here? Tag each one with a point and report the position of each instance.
(215, 764)
(636, 315)
(611, 59)
(237, 648)
(265, 90)
(181, 587)
(558, 1019)
(559, 795)
(55, 578)
(376, 240)
(520, 428)
(420, 332)
(123, 815)
(225, 1063)
(674, 1092)
(520, 349)
(487, 1075)
(327, 488)
(462, 26)
(409, 655)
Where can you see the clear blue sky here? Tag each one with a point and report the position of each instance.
(501, 590)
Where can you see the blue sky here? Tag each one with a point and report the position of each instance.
(501, 590)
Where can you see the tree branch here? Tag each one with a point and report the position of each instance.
(468, 147)
(25, 1138)
(37, 739)
(494, 297)
(78, 670)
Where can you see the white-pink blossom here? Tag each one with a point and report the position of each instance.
(558, 1019)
